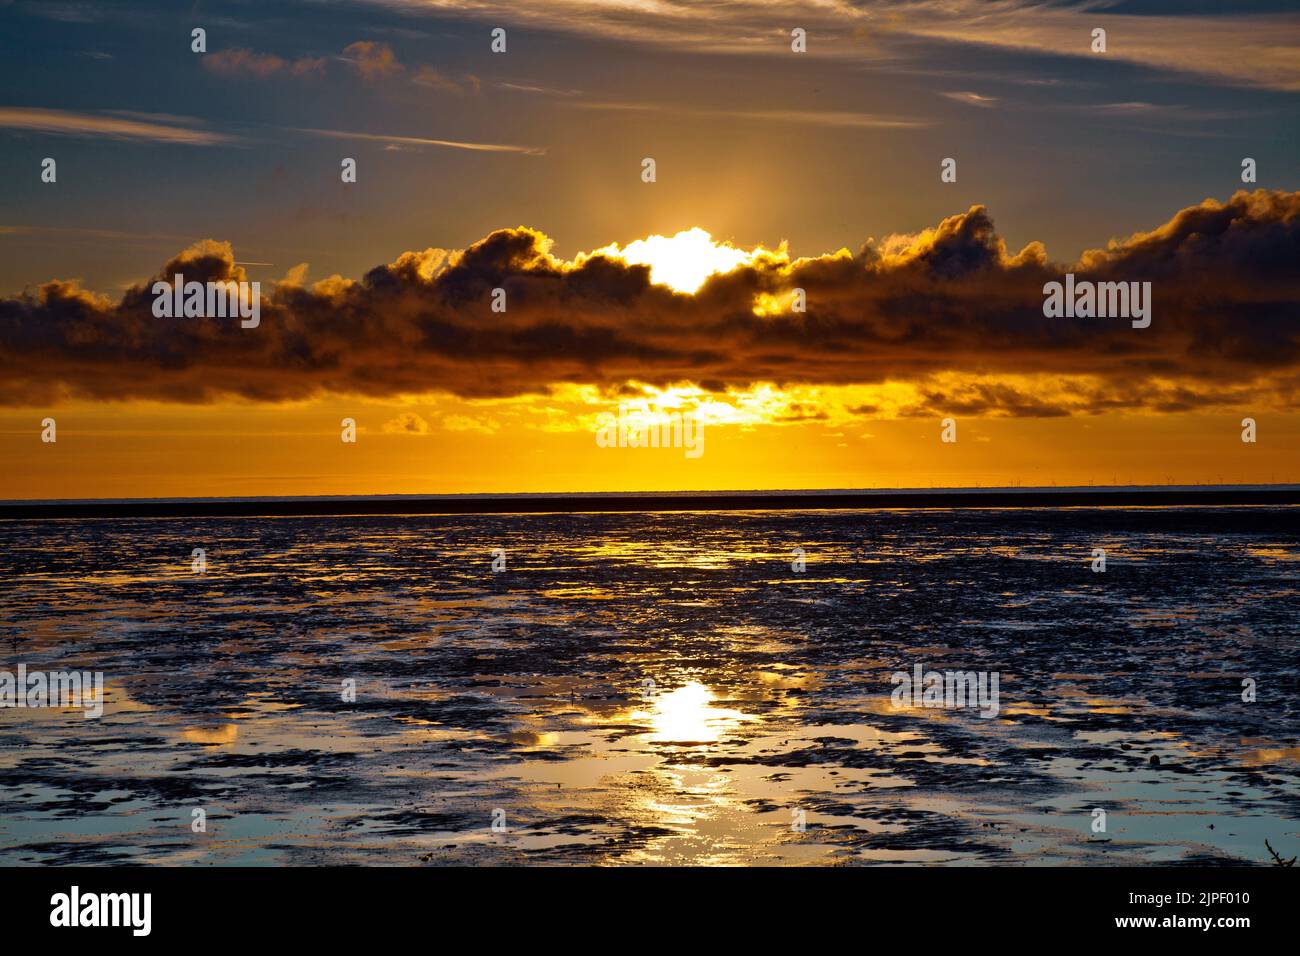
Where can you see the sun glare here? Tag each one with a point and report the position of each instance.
(687, 715)
(682, 262)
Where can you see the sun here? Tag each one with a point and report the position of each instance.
(682, 262)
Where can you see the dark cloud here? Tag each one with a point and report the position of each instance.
(1225, 323)
(983, 398)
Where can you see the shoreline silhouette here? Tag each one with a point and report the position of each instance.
(1086, 496)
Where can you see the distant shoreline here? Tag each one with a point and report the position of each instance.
(560, 503)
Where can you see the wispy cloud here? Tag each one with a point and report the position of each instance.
(1162, 110)
(64, 233)
(537, 90)
(1255, 50)
(262, 65)
(110, 126)
(1237, 48)
(972, 99)
(466, 83)
(372, 62)
(812, 117)
(409, 423)
(423, 141)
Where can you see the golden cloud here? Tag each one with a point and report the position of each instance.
(951, 300)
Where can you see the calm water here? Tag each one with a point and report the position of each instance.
(523, 696)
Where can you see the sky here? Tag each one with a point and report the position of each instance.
(524, 170)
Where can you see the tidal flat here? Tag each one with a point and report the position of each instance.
(656, 688)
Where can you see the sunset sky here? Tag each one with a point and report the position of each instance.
(523, 170)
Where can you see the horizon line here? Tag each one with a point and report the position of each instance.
(1273, 494)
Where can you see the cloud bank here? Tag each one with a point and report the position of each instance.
(951, 300)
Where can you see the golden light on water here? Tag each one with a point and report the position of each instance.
(687, 715)
(223, 735)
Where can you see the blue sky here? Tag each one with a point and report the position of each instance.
(753, 142)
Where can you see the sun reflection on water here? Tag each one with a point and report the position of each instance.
(687, 715)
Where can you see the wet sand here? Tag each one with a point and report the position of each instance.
(522, 697)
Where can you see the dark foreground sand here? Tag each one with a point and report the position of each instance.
(523, 696)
